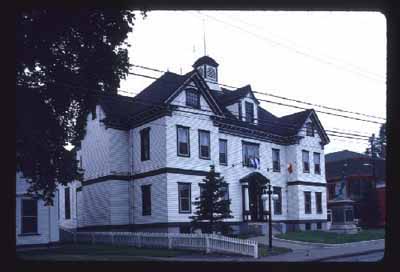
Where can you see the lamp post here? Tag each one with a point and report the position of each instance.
(268, 194)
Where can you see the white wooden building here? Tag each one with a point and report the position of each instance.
(35, 223)
(143, 157)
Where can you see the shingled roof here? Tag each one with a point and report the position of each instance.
(356, 166)
(343, 155)
(121, 109)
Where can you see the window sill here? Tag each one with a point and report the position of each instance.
(144, 159)
(29, 234)
(223, 164)
(204, 158)
(276, 170)
(184, 156)
(306, 172)
(183, 212)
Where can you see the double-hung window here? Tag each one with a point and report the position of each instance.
(67, 202)
(223, 152)
(146, 199)
(249, 108)
(318, 201)
(306, 161)
(307, 202)
(310, 129)
(276, 165)
(317, 163)
(225, 189)
(278, 202)
(145, 144)
(184, 196)
(251, 157)
(204, 144)
(29, 216)
(192, 98)
(183, 141)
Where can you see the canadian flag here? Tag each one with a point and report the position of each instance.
(290, 168)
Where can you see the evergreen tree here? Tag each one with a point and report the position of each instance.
(212, 207)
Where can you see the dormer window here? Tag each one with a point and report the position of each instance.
(192, 98)
(249, 108)
(310, 129)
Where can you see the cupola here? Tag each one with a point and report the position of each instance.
(208, 69)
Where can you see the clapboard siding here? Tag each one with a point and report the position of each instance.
(72, 222)
(48, 230)
(115, 151)
(118, 144)
(79, 209)
(159, 205)
(96, 204)
(119, 202)
(95, 150)
(158, 146)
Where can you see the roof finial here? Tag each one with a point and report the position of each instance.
(204, 37)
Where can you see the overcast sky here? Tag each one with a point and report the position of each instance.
(336, 59)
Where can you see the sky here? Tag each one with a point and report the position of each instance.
(334, 59)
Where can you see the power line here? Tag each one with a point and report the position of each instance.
(277, 96)
(304, 47)
(288, 47)
(287, 105)
(197, 113)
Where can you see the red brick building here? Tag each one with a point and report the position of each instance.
(357, 171)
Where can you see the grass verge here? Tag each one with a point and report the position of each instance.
(333, 238)
(84, 252)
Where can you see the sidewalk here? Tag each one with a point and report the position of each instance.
(306, 252)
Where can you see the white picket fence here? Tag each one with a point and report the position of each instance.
(202, 242)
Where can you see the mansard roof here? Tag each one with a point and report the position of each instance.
(127, 112)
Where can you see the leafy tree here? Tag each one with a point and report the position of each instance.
(212, 207)
(63, 57)
(378, 144)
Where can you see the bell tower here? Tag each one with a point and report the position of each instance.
(208, 69)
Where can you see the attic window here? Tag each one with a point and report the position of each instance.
(249, 108)
(310, 129)
(192, 98)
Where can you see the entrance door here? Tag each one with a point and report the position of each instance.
(256, 207)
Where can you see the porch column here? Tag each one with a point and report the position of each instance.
(246, 206)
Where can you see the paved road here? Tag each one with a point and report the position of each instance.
(314, 252)
(373, 257)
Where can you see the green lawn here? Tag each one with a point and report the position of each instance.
(333, 238)
(84, 252)
(87, 252)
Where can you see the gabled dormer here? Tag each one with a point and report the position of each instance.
(243, 104)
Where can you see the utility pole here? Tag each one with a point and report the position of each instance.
(373, 159)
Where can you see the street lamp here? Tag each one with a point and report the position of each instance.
(267, 194)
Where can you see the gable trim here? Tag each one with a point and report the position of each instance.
(196, 78)
(320, 129)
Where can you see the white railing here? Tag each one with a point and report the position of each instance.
(202, 242)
